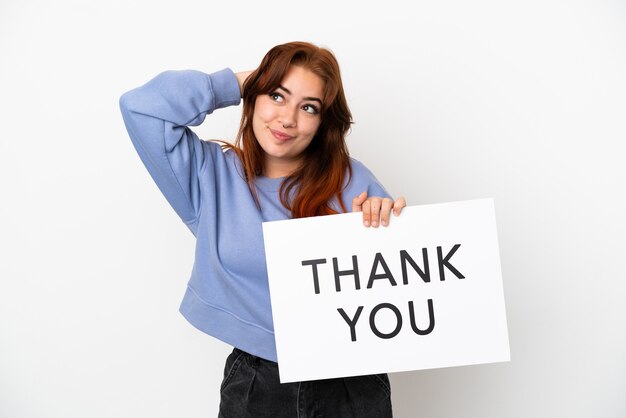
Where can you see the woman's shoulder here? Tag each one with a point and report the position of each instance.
(219, 147)
(359, 169)
(363, 179)
(223, 154)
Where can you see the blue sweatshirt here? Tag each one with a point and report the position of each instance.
(228, 294)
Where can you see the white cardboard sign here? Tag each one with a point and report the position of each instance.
(424, 292)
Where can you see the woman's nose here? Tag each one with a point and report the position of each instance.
(288, 117)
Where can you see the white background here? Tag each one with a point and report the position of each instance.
(520, 101)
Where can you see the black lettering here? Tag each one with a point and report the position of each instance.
(431, 318)
(351, 322)
(425, 275)
(398, 320)
(354, 272)
(386, 275)
(445, 261)
(314, 263)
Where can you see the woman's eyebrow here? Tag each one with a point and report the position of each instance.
(306, 98)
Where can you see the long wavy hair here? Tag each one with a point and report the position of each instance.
(325, 163)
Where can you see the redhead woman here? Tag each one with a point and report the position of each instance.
(289, 160)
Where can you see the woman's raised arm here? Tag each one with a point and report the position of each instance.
(157, 117)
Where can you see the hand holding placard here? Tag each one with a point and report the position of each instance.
(366, 292)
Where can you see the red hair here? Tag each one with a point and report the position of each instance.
(325, 163)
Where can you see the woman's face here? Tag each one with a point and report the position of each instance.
(286, 120)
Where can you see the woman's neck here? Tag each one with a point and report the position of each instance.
(280, 168)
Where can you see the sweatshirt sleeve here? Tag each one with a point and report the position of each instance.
(157, 116)
(362, 180)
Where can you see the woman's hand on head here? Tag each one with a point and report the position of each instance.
(377, 210)
(241, 78)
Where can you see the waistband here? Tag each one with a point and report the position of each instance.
(252, 359)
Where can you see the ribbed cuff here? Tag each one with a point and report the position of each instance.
(225, 88)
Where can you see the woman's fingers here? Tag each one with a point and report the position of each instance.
(357, 202)
(385, 211)
(362, 204)
(366, 208)
(375, 204)
(376, 210)
(398, 205)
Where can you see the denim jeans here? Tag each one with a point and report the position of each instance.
(251, 389)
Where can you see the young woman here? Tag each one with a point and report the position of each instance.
(289, 160)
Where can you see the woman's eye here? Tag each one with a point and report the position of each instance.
(311, 109)
(277, 97)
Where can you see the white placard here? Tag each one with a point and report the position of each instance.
(428, 293)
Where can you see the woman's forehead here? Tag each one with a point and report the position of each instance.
(302, 82)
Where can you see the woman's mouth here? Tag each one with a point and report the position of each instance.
(280, 135)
